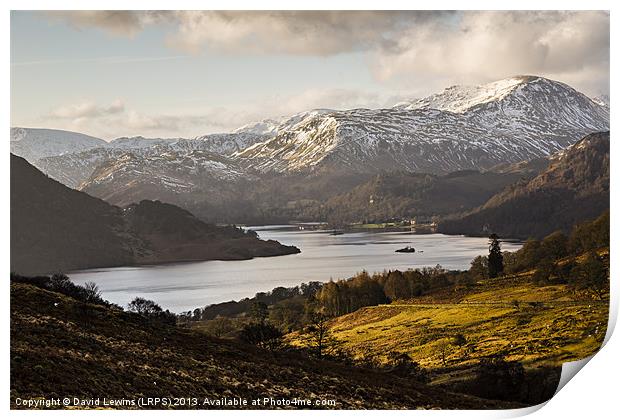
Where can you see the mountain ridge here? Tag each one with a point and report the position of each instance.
(510, 120)
(456, 129)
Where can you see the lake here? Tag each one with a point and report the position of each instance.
(186, 286)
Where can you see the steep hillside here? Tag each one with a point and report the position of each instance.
(574, 187)
(61, 347)
(173, 234)
(148, 159)
(139, 142)
(55, 228)
(71, 169)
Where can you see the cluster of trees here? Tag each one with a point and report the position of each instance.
(496, 378)
(60, 283)
(345, 296)
(491, 266)
(276, 297)
(259, 331)
(575, 259)
(151, 310)
(579, 259)
(316, 335)
(586, 237)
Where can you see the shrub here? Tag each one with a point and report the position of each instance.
(590, 274)
(544, 271)
(459, 340)
(144, 307)
(151, 310)
(262, 334)
(91, 292)
(401, 364)
(498, 379)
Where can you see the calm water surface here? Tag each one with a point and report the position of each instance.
(181, 287)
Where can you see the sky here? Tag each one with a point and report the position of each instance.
(188, 73)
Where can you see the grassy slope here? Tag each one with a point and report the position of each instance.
(60, 347)
(560, 328)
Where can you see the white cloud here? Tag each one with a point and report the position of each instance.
(291, 32)
(410, 54)
(423, 50)
(286, 32)
(570, 46)
(117, 22)
(88, 110)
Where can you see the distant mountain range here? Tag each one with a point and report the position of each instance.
(515, 119)
(572, 188)
(281, 170)
(55, 228)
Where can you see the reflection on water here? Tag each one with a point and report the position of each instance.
(186, 286)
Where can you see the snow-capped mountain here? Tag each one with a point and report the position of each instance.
(229, 143)
(519, 103)
(35, 143)
(159, 173)
(511, 120)
(264, 128)
(222, 143)
(56, 156)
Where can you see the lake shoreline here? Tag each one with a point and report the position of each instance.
(184, 285)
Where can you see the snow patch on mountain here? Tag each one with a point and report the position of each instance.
(139, 142)
(35, 143)
(460, 99)
(602, 100)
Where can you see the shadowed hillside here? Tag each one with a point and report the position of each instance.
(55, 228)
(574, 187)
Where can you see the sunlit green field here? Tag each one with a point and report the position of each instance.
(510, 317)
